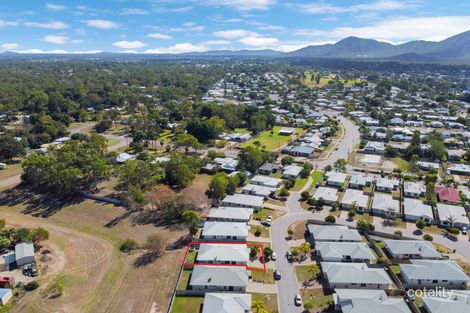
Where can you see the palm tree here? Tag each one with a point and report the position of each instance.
(451, 220)
(305, 248)
(259, 306)
(314, 270)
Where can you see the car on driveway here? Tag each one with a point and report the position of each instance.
(277, 275)
(266, 223)
(269, 218)
(274, 256)
(297, 300)
(464, 230)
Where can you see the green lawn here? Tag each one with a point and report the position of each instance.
(317, 175)
(188, 305)
(324, 80)
(301, 271)
(165, 136)
(299, 184)
(242, 131)
(395, 269)
(11, 170)
(401, 164)
(264, 231)
(263, 214)
(317, 297)
(267, 277)
(270, 300)
(184, 281)
(271, 141)
(112, 142)
(191, 257)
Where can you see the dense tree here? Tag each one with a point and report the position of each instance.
(180, 170)
(187, 141)
(10, 147)
(251, 158)
(191, 220)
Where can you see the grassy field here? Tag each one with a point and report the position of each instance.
(271, 141)
(310, 82)
(84, 239)
(269, 300)
(267, 277)
(184, 280)
(317, 297)
(165, 136)
(112, 142)
(188, 305)
(264, 231)
(301, 271)
(11, 170)
(299, 184)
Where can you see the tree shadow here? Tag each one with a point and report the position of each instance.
(37, 204)
(147, 258)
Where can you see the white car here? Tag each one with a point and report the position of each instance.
(297, 300)
(269, 219)
(273, 256)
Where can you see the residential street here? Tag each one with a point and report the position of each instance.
(288, 287)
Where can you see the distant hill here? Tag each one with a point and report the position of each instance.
(452, 49)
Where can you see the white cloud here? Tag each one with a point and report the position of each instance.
(159, 36)
(102, 24)
(259, 41)
(216, 42)
(40, 51)
(243, 5)
(178, 48)
(182, 9)
(48, 25)
(9, 46)
(76, 41)
(235, 33)
(8, 23)
(381, 5)
(188, 27)
(130, 44)
(55, 7)
(55, 39)
(134, 11)
(399, 29)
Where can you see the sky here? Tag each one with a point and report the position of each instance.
(176, 26)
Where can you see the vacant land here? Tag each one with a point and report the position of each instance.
(310, 81)
(12, 169)
(318, 298)
(271, 140)
(98, 277)
(269, 300)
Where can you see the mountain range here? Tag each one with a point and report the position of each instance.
(452, 49)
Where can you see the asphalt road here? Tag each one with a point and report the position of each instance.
(287, 286)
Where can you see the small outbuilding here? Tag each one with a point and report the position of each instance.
(24, 254)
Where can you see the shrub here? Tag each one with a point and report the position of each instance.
(365, 225)
(128, 245)
(420, 224)
(32, 285)
(352, 213)
(305, 195)
(398, 233)
(453, 230)
(284, 192)
(428, 237)
(258, 231)
(330, 219)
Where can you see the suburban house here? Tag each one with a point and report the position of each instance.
(433, 273)
(286, 131)
(219, 278)
(258, 190)
(223, 254)
(335, 178)
(459, 301)
(327, 194)
(355, 276)
(226, 164)
(243, 201)
(448, 194)
(412, 249)
(386, 185)
(24, 254)
(344, 252)
(224, 231)
(375, 147)
(414, 209)
(237, 137)
(5, 295)
(352, 196)
(333, 233)
(452, 215)
(230, 214)
(368, 301)
(269, 168)
(300, 151)
(459, 169)
(124, 157)
(227, 303)
(291, 171)
(360, 181)
(266, 181)
(413, 189)
(385, 205)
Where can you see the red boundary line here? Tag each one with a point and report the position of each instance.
(248, 244)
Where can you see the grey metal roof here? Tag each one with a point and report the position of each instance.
(223, 252)
(353, 195)
(326, 193)
(385, 203)
(225, 229)
(358, 273)
(231, 213)
(242, 199)
(420, 247)
(355, 250)
(333, 232)
(417, 208)
(457, 302)
(226, 303)
(235, 276)
(456, 211)
(434, 269)
(369, 301)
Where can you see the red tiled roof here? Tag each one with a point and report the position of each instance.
(448, 194)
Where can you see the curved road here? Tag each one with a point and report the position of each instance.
(287, 287)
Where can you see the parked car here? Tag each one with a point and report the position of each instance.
(464, 230)
(277, 275)
(266, 223)
(274, 256)
(269, 218)
(289, 256)
(297, 300)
